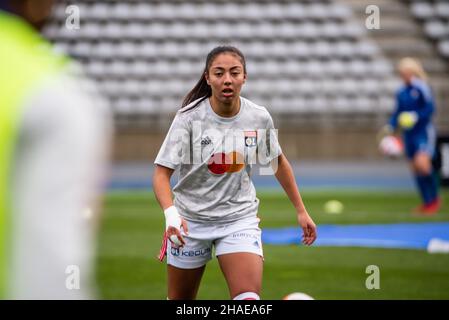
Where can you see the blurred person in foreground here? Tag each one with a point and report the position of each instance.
(54, 142)
(412, 116)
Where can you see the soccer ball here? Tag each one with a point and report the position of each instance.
(297, 296)
(391, 146)
(333, 207)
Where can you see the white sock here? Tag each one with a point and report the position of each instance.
(247, 296)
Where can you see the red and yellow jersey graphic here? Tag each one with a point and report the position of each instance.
(221, 163)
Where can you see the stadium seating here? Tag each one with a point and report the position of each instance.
(302, 56)
(435, 17)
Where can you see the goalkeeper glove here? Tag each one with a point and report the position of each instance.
(407, 119)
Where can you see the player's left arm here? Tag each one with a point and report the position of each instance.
(284, 174)
(427, 105)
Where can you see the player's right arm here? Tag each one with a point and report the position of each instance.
(162, 191)
(393, 123)
(161, 185)
(391, 127)
(171, 156)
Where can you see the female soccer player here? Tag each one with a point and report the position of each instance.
(213, 141)
(413, 115)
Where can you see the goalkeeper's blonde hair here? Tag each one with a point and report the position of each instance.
(414, 66)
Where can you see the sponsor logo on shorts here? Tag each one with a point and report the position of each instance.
(195, 253)
(190, 253)
(174, 251)
(245, 235)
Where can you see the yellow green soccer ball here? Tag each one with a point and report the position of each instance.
(333, 207)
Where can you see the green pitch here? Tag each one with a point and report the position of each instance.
(132, 226)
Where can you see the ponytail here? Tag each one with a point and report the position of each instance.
(414, 66)
(202, 90)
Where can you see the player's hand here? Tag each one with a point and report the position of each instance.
(385, 131)
(173, 223)
(175, 236)
(308, 228)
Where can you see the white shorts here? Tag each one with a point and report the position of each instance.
(239, 236)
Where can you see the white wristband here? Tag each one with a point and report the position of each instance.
(172, 218)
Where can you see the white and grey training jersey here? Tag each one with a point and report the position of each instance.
(214, 156)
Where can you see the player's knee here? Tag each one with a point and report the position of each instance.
(247, 296)
(422, 165)
(423, 169)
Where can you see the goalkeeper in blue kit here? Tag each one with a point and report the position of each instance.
(413, 116)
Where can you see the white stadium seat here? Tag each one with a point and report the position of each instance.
(366, 49)
(442, 9)
(165, 11)
(322, 49)
(123, 106)
(335, 68)
(103, 50)
(179, 30)
(300, 49)
(187, 11)
(273, 11)
(309, 30)
(113, 31)
(331, 30)
(436, 29)
(146, 50)
(423, 10)
(443, 47)
(143, 11)
(344, 49)
(81, 50)
(317, 11)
